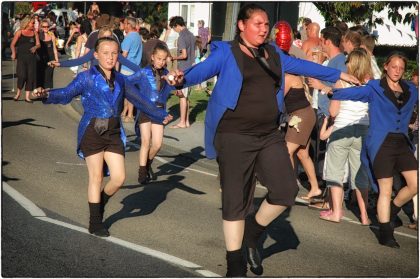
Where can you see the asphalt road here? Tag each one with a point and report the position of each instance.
(178, 215)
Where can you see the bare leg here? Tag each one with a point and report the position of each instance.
(409, 191)
(146, 134)
(268, 212)
(308, 166)
(384, 199)
(95, 165)
(234, 234)
(116, 167)
(183, 111)
(157, 139)
(130, 112)
(28, 95)
(362, 200)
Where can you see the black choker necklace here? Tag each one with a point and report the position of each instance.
(256, 52)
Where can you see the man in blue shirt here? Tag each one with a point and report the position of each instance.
(330, 43)
(132, 48)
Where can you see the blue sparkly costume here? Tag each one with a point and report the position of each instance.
(99, 101)
(145, 79)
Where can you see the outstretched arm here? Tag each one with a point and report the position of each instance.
(79, 61)
(128, 63)
(139, 99)
(356, 93)
(64, 96)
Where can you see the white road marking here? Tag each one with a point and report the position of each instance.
(36, 212)
(71, 164)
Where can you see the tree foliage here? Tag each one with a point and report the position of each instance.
(152, 11)
(22, 8)
(362, 12)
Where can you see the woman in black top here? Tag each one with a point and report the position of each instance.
(48, 52)
(301, 115)
(27, 42)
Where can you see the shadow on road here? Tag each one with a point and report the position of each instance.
(149, 198)
(26, 121)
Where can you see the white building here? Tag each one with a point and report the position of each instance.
(191, 12)
(388, 33)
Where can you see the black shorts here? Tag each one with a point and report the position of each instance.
(143, 118)
(109, 141)
(394, 155)
(242, 159)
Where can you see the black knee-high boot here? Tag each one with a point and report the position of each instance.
(253, 232)
(386, 235)
(236, 264)
(143, 177)
(393, 217)
(96, 226)
(104, 200)
(150, 174)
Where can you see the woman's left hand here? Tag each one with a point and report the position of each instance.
(33, 49)
(349, 78)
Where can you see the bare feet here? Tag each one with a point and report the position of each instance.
(311, 194)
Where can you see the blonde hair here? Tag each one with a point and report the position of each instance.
(358, 64)
(25, 22)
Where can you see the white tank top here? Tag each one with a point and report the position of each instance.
(352, 112)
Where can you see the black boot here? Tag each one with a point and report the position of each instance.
(236, 264)
(253, 231)
(96, 226)
(386, 235)
(393, 217)
(143, 179)
(150, 174)
(104, 200)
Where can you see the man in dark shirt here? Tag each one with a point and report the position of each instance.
(185, 58)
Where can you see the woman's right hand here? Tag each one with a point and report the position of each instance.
(13, 56)
(53, 64)
(40, 92)
(167, 119)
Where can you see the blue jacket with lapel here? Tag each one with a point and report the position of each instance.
(384, 117)
(225, 62)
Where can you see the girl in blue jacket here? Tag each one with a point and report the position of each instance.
(101, 137)
(151, 132)
(387, 147)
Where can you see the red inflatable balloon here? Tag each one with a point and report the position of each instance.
(283, 35)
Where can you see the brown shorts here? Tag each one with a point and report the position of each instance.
(242, 159)
(109, 141)
(305, 127)
(394, 155)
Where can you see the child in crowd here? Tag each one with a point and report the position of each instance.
(150, 131)
(101, 137)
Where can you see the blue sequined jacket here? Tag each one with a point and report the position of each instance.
(145, 79)
(99, 101)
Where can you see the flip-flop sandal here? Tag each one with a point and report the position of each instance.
(177, 127)
(328, 218)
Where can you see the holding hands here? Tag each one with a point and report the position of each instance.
(167, 119)
(40, 92)
(53, 64)
(174, 78)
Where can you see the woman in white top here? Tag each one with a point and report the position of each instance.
(345, 143)
(170, 37)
